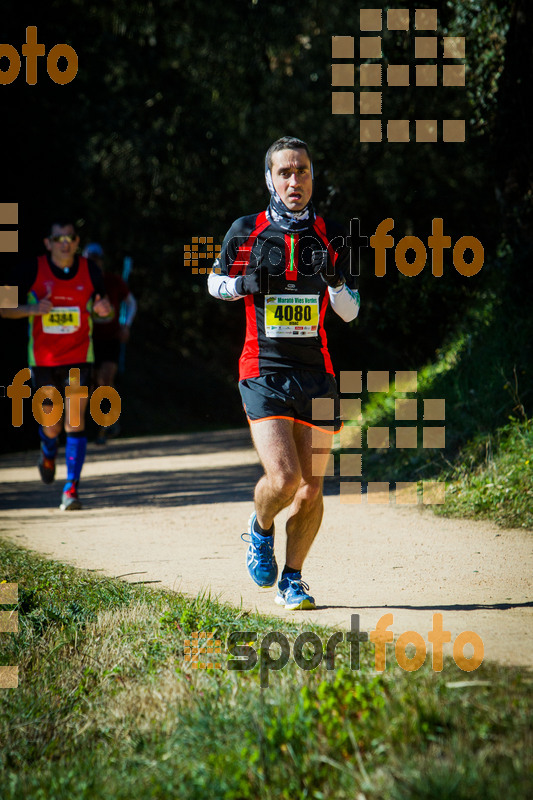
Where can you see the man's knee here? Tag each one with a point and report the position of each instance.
(52, 431)
(284, 484)
(79, 429)
(310, 490)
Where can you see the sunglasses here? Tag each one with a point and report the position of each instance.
(67, 237)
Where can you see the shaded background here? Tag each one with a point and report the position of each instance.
(161, 137)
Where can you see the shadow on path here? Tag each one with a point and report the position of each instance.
(159, 488)
(440, 607)
(182, 444)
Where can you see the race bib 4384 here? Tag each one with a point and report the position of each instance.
(62, 319)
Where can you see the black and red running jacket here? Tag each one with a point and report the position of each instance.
(255, 240)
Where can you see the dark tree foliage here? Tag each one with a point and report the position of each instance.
(162, 135)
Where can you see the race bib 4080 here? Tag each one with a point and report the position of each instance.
(291, 315)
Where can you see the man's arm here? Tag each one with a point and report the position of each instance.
(344, 299)
(23, 277)
(224, 285)
(219, 283)
(334, 267)
(344, 302)
(43, 306)
(101, 305)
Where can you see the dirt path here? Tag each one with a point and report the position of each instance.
(171, 509)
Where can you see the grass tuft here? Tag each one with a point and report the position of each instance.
(494, 478)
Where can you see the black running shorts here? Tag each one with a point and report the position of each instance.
(59, 376)
(290, 395)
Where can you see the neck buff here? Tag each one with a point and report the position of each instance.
(277, 211)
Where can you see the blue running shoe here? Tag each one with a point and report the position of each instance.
(292, 593)
(70, 500)
(260, 558)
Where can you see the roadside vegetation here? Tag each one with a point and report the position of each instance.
(483, 372)
(494, 478)
(107, 708)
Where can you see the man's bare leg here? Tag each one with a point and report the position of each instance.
(48, 435)
(305, 513)
(277, 450)
(69, 426)
(294, 457)
(286, 450)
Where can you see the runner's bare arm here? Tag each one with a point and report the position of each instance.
(37, 309)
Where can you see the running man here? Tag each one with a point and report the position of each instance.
(62, 290)
(109, 332)
(287, 264)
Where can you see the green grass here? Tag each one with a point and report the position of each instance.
(494, 478)
(484, 375)
(107, 709)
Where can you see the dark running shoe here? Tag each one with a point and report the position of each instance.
(47, 468)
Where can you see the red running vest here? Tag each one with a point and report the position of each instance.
(64, 335)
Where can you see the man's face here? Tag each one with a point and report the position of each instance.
(291, 176)
(62, 244)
